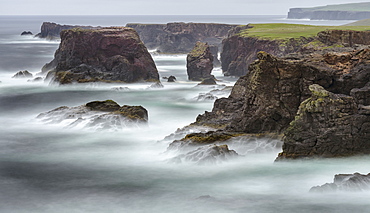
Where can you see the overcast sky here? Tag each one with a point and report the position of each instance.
(158, 7)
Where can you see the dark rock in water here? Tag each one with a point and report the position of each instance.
(23, 74)
(206, 154)
(113, 54)
(52, 31)
(105, 106)
(199, 62)
(345, 182)
(180, 37)
(156, 85)
(327, 125)
(171, 79)
(26, 33)
(201, 138)
(97, 115)
(37, 79)
(208, 81)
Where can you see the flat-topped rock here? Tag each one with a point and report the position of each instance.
(113, 54)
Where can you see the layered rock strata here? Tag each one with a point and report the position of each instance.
(114, 54)
(199, 62)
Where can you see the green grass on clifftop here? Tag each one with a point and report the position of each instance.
(280, 31)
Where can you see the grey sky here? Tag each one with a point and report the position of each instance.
(157, 7)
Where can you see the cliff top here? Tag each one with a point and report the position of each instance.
(280, 31)
(364, 6)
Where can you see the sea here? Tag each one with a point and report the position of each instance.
(54, 167)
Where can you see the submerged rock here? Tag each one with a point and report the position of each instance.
(26, 33)
(23, 74)
(199, 62)
(97, 115)
(345, 182)
(206, 154)
(113, 54)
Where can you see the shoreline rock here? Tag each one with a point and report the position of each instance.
(345, 182)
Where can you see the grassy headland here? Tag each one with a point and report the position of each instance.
(280, 31)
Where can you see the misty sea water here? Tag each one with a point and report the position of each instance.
(49, 167)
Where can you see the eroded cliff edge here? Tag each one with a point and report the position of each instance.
(267, 99)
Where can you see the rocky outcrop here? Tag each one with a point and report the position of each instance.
(180, 37)
(52, 31)
(327, 125)
(23, 74)
(114, 54)
(97, 115)
(267, 99)
(199, 62)
(345, 182)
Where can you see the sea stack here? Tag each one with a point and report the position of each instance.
(113, 54)
(199, 62)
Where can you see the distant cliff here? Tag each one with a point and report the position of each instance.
(180, 37)
(356, 11)
(52, 31)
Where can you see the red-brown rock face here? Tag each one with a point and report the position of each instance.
(107, 54)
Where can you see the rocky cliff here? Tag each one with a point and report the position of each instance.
(268, 98)
(52, 31)
(180, 37)
(113, 54)
(239, 50)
